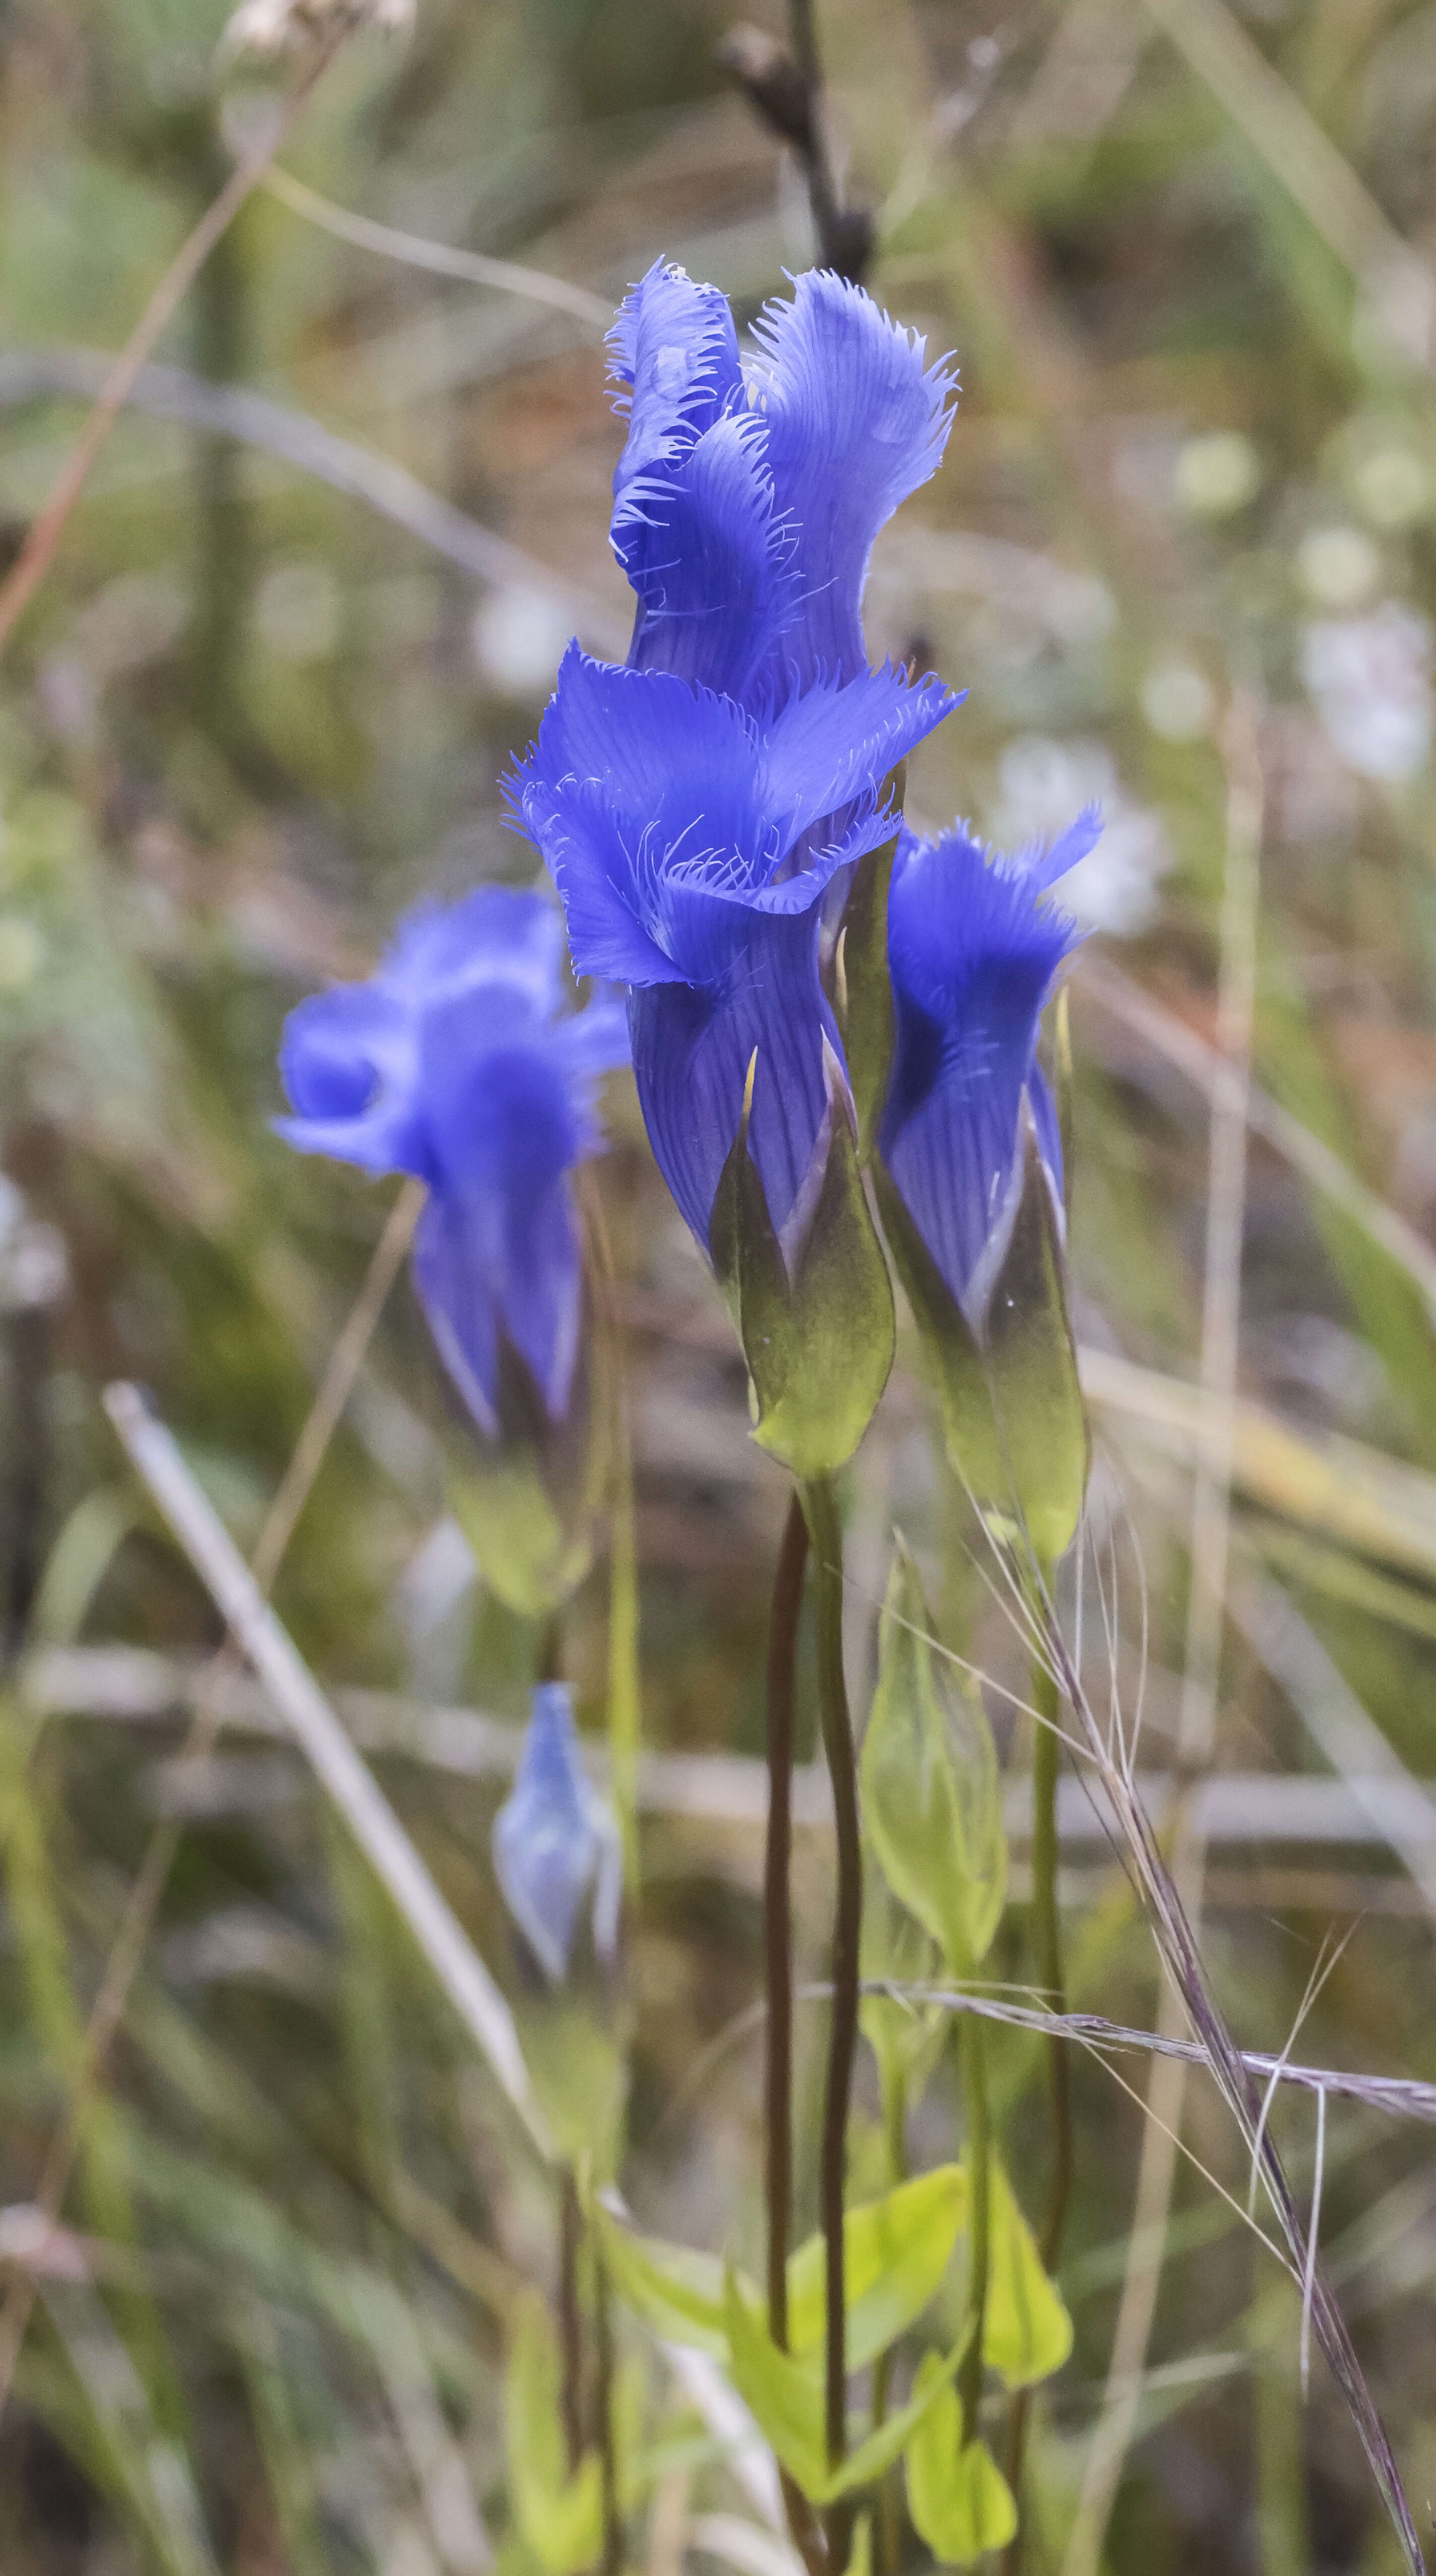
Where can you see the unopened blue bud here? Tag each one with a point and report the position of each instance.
(557, 1848)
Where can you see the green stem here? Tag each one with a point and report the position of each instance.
(820, 1505)
(570, 2223)
(611, 2563)
(778, 1967)
(894, 2085)
(1051, 1977)
(1047, 1927)
(974, 2096)
(894, 2092)
(777, 1914)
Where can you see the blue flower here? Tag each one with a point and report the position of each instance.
(973, 953)
(451, 1062)
(692, 844)
(556, 1845)
(695, 806)
(747, 500)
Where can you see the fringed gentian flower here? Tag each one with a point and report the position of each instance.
(969, 1172)
(695, 806)
(974, 954)
(453, 1062)
(557, 1850)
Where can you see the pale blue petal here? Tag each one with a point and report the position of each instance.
(555, 1844)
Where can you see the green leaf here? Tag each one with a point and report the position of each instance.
(896, 2251)
(1027, 2332)
(931, 1793)
(1012, 1411)
(819, 1336)
(675, 2291)
(906, 2037)
(960, 2502)
(561, 2517)
(786, 2398)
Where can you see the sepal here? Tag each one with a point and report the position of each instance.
(813, 1309)
(575, 2046)
(1013, 1418)
(528, 1499)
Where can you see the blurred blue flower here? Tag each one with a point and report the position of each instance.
(556, 1845)
(747, 498)
(974, 953)
(452, 1062)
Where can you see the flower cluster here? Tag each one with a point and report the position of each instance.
(696, 805)
(705, 809)
(454, 1062)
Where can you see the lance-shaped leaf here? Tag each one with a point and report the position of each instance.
(814, 1312)
(787, 2400)
(896, 2251)
(906, 2037)
(678, 2292)
(1026, 2331)
(1013, 1420)
(560, 2517)
(960, 2502)
(931, 1792)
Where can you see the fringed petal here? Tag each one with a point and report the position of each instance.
(855, 422)
(841, 740)
(633, 773)
(709, 562)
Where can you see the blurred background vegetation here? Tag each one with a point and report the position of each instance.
(265, 697)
